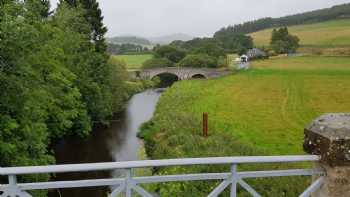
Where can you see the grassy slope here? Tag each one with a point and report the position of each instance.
(261, 111)
(134, 61)
(326, 34)
(268, 106)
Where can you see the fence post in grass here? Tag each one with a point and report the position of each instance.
(205, 124)
(329, 137)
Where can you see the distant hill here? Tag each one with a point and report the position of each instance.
(170, 38)
(335, 12)
(138, 40)
(129, 40)
(335, 33)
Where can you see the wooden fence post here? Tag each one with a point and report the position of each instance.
(205, 124)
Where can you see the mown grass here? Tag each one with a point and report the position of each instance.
(134, 61)
(261, 111)
(334, 33)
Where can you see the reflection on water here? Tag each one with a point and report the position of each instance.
(115, 143)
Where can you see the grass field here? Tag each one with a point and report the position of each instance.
(134, 61)
(261, 111)
(334, 33)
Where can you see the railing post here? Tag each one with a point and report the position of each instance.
(128, 187)
(12, 180)
(234, 180)
(329, 137)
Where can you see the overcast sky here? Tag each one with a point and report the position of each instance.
(194, 17)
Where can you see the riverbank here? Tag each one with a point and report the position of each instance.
(116, 142)
(261, 111)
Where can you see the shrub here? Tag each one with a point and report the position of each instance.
(198, 61)
(223, 62)
(157, 63)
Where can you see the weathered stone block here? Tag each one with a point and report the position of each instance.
(329, 137)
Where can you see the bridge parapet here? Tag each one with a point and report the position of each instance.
(183, 73)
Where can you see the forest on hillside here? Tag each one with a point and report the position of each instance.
(335, 12)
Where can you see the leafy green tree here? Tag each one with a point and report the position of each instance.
(233, 41)
(207, 46)
(94, 74)
(38, 99)
(283, 42)
(93, 16)
(157, 63)
(53, 81)
(198, 61)
(171, 53)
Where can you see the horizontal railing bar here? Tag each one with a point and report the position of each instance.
(167, 178)
(185, 177)
(278, 173)
(71, 184)
(154, 163)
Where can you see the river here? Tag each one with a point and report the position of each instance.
(118, 142)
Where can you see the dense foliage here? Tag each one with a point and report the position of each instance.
(173, 54)
(336, 12)
(157, 63)
(233, 42)
(198, 61)
(55, 78)
(283, 42)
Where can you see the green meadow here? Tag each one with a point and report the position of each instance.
(334, 33)
(261, 111)
(134, 61)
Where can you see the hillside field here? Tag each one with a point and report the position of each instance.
(334, 33)
(134, 61)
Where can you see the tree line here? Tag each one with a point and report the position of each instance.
(55, 77)
(200, 52)
(119, 49)
(336, 12)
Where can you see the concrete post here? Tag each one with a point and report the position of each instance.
(329, 137)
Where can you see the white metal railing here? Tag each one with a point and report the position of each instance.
(129, 184)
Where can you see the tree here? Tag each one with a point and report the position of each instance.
(199, 61)
(234, 42)
(283, 42)
(171, 53)
(207, 46)
(93, 16)
(157, 63)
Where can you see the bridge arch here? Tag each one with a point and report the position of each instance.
(199, 76)
(165, 72)
(167, 79)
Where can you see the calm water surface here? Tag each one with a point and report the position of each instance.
(115, 143)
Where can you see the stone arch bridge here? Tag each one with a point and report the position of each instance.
(181, 73)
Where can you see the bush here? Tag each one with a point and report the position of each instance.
(157, 63)
(223, 62)
(198, 61)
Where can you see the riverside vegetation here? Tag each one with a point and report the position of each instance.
(55, 78)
